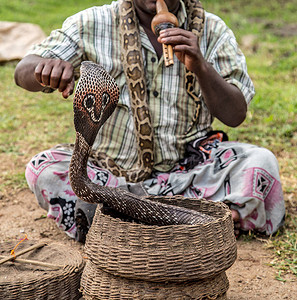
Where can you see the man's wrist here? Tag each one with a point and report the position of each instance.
(201, 67)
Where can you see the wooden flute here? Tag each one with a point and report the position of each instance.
(162, 20)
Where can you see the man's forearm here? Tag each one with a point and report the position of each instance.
(224, 100)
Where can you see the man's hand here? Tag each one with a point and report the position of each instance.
(57, 74)
(224, 100)
(185, 46)
(33, 73)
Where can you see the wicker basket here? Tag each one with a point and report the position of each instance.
(26, 281)
(100, 285)
(174, 253)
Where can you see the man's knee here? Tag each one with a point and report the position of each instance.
(34, 167)
(265, 157)
(41, 163)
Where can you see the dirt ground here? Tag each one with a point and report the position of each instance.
(250, 277)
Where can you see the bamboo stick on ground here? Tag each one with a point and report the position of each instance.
(12, 257)
(36, 262)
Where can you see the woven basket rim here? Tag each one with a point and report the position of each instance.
(224, 208)
(109, 249)
(64, 272)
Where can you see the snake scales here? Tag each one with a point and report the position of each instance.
(95, 99)
(133, 66)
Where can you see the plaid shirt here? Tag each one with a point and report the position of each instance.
(93, 34)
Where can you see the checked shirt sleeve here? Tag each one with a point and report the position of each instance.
(64, 43)
(226, 57)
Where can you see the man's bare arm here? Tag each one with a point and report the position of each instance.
(33, 73)
(224, 100)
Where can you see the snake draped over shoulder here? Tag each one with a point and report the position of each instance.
(133, 66)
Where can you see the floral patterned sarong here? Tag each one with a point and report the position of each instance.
(244, 176)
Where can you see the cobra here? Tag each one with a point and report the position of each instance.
(95, 99)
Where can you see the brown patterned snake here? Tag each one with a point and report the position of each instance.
(132, 61)
(95, 98)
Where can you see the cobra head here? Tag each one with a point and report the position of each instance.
(96, 97)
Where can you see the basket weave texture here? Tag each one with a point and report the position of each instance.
(173, 253)
(98, 284)
(26, 281)
(129, 260)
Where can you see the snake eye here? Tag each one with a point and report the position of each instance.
(89, 101)
(105, 99)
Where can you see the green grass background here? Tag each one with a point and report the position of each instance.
(267, 34)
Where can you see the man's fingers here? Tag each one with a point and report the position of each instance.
(178, 37)
(43, 72)
(66, 78)
(175, 32)
(46, 74)
(38, 72)
(175, 40)
(69, 89)
(57, 74)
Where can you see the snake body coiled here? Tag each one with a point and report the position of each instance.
(95, 99)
